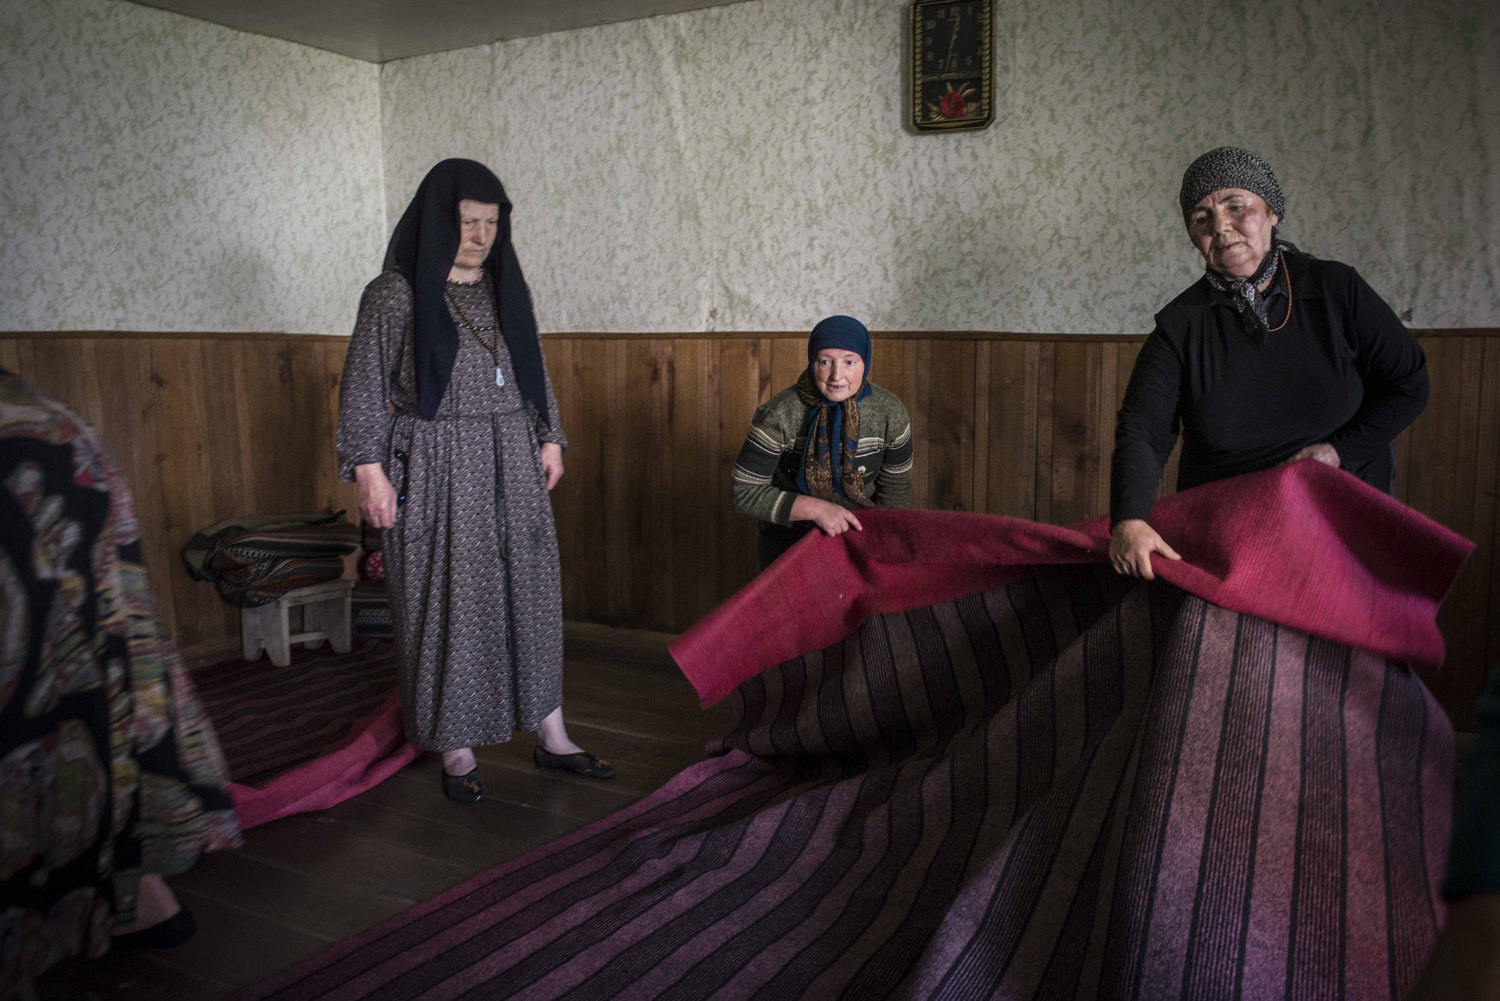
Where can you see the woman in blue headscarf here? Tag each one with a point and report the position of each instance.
(819, 451)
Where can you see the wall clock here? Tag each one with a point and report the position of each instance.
(953, 69)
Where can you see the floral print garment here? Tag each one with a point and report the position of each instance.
(109, 768)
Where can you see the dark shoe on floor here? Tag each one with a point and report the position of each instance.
(166, 934)
(581, 762)
(467, 788)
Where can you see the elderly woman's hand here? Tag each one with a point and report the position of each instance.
(1322, 451)
(1131, 544)
(830, 517)
(552, 463)
(377, 498)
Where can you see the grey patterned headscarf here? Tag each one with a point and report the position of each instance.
(1232, 167)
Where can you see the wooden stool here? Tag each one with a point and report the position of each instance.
(325, 616)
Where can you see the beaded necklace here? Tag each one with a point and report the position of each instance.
(1288, 274)
(492, 348)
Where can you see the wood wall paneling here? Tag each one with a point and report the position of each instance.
(205, 427)
(211, 426)
(739, 369)
(1012, 429)
(1447, 469)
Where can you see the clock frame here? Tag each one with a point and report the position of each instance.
(953, 65)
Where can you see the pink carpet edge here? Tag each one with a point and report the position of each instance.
(372, 753)
(1345, 562)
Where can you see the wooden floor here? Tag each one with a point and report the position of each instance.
(302, 883)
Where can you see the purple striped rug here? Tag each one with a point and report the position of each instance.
(269, 718)
(1068, 786)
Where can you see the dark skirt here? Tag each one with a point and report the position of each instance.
(776, 539)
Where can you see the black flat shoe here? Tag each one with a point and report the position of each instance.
(166, 934)
(581, 762)
(467, 788)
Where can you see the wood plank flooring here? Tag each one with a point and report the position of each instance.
(303, 883)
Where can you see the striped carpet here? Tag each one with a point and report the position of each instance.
(1065, 785)
(269, 718)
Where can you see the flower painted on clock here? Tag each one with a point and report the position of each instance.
(952, 66)
(954, 103)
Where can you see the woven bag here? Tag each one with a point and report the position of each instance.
(254, 561)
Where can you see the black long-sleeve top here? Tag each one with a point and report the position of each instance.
(1342, 370)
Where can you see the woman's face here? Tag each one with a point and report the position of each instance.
(1232, 230)
(838, 374)
(478, 222)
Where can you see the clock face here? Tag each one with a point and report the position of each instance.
(952, 69)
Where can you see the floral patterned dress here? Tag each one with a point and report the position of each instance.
(109, 769)
(472, 562)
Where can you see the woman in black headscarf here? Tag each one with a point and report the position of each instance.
(1272, 356)
(448, 423)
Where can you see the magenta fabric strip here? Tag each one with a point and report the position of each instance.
(375, 751)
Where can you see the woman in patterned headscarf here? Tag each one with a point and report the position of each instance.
(820, 450)
(448, 424)
(1272, 356)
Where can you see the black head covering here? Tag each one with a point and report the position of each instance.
(423, 248)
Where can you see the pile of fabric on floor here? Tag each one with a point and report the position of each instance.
(272, 718)
(972, 762)
(326, 727)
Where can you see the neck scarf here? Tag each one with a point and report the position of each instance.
(423, 248)
(832, 438)
(1248, 299)
(827, 466)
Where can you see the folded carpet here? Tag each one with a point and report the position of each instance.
(971, 762)
(269, 718)
(309, 735)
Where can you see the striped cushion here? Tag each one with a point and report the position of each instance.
(254, 561)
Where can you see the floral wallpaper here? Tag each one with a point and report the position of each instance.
(748, 168)
(743, 168)
(164, 173)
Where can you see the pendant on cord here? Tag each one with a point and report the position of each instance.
(499, 376)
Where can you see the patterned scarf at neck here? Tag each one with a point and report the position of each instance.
(1249, 301)
(832, 438)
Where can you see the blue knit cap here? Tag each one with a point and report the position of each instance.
(842, 332)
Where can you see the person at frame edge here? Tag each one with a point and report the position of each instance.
(446, 392)
(820, 450)
(1271, 357)
(111, 773)
(1465, 961)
